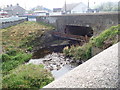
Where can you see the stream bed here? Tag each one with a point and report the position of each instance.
(57, 63)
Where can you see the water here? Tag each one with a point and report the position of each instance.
(56, 63)
(58, 73)
(53, 60)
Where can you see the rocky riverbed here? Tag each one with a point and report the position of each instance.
(57, 63)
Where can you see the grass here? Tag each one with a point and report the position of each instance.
(27, 76)
(106, 39)
(16, 42)
(13, 59)
(17, 36)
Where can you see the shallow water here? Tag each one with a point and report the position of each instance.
(58, 73)
(56, 63)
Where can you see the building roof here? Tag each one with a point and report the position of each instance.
(69, 7)
(9, 8)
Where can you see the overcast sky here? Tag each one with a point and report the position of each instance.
(27, 4)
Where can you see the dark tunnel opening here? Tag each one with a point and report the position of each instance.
(79, 30)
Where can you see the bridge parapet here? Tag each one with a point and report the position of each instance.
(101, 71)
(97, 21)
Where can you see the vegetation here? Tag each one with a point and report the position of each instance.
(12, 59)
(27, 76)
(104, 40)
(19, 37)
(108, 6)
(17, 45)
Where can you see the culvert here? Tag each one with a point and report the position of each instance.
(78, 30)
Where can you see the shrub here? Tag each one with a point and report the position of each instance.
(27, 76)
(79, 53)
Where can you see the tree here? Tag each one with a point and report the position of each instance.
(108, 6)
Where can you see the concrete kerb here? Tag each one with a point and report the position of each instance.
(101, 71)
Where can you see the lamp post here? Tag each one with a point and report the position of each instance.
(65, 7)
(88, 5)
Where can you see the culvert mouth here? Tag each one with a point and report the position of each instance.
(78, 30)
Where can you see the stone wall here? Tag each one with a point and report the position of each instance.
(98, 21)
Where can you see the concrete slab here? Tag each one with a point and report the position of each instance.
(101, 71)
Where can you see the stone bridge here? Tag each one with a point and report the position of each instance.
(95, 21)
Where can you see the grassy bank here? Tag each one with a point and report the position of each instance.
(16, 46)
(27, 76)
(18, 37)
(106, 39)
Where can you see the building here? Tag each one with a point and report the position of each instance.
(40, 13)
(75, 8)
(14, 10)
(3, 14)
(57, 9)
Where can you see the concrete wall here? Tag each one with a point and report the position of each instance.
(11, 23)
(101, 71)
(98, 21)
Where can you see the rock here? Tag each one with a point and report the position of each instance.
(67, 59)
(72, 61)
(58, 67)
(54, 63)
(78, 62)
(54, 67)
(51, 68)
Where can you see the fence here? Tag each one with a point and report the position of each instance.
(7, 22)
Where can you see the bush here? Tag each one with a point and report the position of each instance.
(79, 53)
(27, 76)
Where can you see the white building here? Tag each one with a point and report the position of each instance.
(40, 13)
(3, 14)
(75, 8)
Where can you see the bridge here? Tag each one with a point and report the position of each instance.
(97, 22)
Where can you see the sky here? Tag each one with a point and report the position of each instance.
(28, 4)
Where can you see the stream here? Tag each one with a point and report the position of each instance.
(55, 62)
